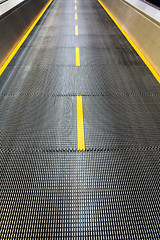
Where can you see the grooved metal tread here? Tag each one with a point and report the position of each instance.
(80, 195)
(48, 189)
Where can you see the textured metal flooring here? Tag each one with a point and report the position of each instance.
(48, 189)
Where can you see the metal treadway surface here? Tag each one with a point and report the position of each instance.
(49, 190)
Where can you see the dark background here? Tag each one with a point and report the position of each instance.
(154, 2)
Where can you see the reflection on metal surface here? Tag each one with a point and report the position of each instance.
(2, 1)
(153, 2)
(150, 34)
(8, 5)
(145, 9)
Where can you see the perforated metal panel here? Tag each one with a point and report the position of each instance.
(96, 195)
(48, 189)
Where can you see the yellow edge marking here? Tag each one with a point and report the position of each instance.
(77, 57)
(76, 16)
(75, 7)
(156, 75)
(24, 38)
(76, 30)
(80, 125)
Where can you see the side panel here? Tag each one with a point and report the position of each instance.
(15, 24)
(144, 32)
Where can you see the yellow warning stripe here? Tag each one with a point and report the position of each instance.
(76, 16)
(77, 57)
(80, 125)
(76, 30)
(156, 75)
(19, 44)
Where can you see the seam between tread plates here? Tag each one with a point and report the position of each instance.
(65, 150)
(84, 95)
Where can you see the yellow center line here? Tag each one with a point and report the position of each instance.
(19, 44)
(77, 57)
(80, 125)
(76, 30)
(155, 74)
(75, 1)
(75, 7)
